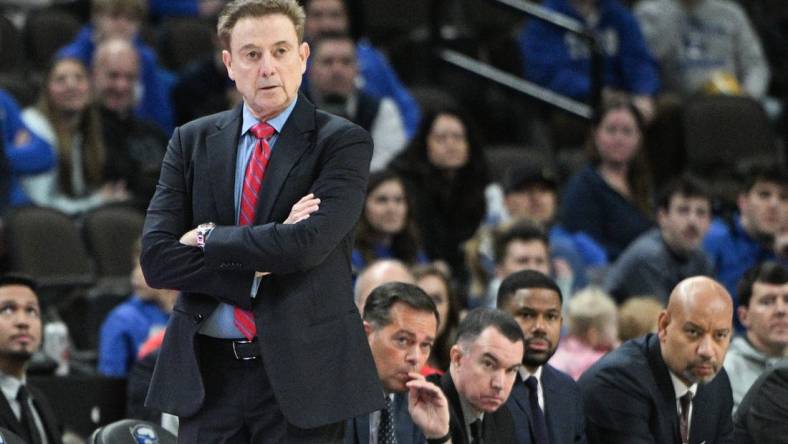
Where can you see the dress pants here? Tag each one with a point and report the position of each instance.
(240, 406)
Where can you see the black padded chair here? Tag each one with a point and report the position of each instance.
(110, 233)
(132, 431)
(9, 437)
(46, 244)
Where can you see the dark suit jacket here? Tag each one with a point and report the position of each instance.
(357, 429)
(497, 427)
(762, 416)
(310, 333)
(563, 409)
(51, 425)
(629, 398)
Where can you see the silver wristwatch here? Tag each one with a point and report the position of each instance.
(203, 230)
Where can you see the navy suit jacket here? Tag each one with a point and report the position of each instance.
(629, 398)
(497, 427)
(357, 429)
(563, 409)
(51, 425)
(310, 334)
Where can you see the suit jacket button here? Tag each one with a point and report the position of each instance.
(197, 317)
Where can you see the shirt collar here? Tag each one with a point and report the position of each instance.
(680, 388)
(278, 121)
(469, 413)
(10, 385)
(524, 374)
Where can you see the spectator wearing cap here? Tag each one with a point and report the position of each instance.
(664, 256)
(530, 191)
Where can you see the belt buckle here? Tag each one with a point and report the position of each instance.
(235, 351)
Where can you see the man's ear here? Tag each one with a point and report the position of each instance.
(662, 324)
(455, 354)
(743, 312)
(368, 328)
(227, 59)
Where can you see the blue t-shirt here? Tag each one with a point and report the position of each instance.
(124, 330)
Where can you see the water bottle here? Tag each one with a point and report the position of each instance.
(57, 345)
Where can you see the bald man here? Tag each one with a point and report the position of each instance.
(668, 387)
(376, 274)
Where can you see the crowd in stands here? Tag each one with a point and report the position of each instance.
(611, 235)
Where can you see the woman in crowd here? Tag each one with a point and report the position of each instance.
(610, 199)
(386, 229)
(65, 118)
(436, 283)
(445, 173)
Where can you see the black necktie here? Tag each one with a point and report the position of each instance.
(476, 432)
(26, 418)
(386, 434)
(685, 402)
(538, 420)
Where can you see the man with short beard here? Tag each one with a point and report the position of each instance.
(668, 387)
(23, 409)
(661, 257)
(545, 403)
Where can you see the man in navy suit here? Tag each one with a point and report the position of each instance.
(668, 387)
(545, 403)
(401, 322)
(264, 343)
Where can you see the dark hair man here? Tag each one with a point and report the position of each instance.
(545, 403)
(401, 322)
(25, 410)
(763, 311)
(484, 363)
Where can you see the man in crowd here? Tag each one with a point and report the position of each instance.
(401, 323)
(23, 409)
(545, 403)
(484, 364)
(377, 76)
(332, 86)
(763, 311)
(264, 344)
(737, 245)
(135, 147)
(669, 387)
(662, 257)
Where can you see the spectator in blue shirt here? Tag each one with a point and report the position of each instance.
(561, 60)
(748, 238)
(122, 19)
(377, 76)
(25, 153)
(131, 323)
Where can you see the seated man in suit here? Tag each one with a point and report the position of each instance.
(669, 387)
(484, 364)
(23, 409)
(401, 322)
(546, 404)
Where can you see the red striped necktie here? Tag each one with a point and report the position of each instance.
(253, 180)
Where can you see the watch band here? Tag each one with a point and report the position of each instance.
(440, 440)
(203, 230)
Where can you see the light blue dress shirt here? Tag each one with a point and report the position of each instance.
(220, 324)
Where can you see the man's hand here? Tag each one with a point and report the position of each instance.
(303, 208)
(427, 406)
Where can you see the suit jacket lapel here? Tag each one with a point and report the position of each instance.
(457, 419)
(222, 147)
(7, 417)
(291, 144)
(667, 395)
(46, 414)
(520, 396)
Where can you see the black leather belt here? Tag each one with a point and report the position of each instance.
(238, 349)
